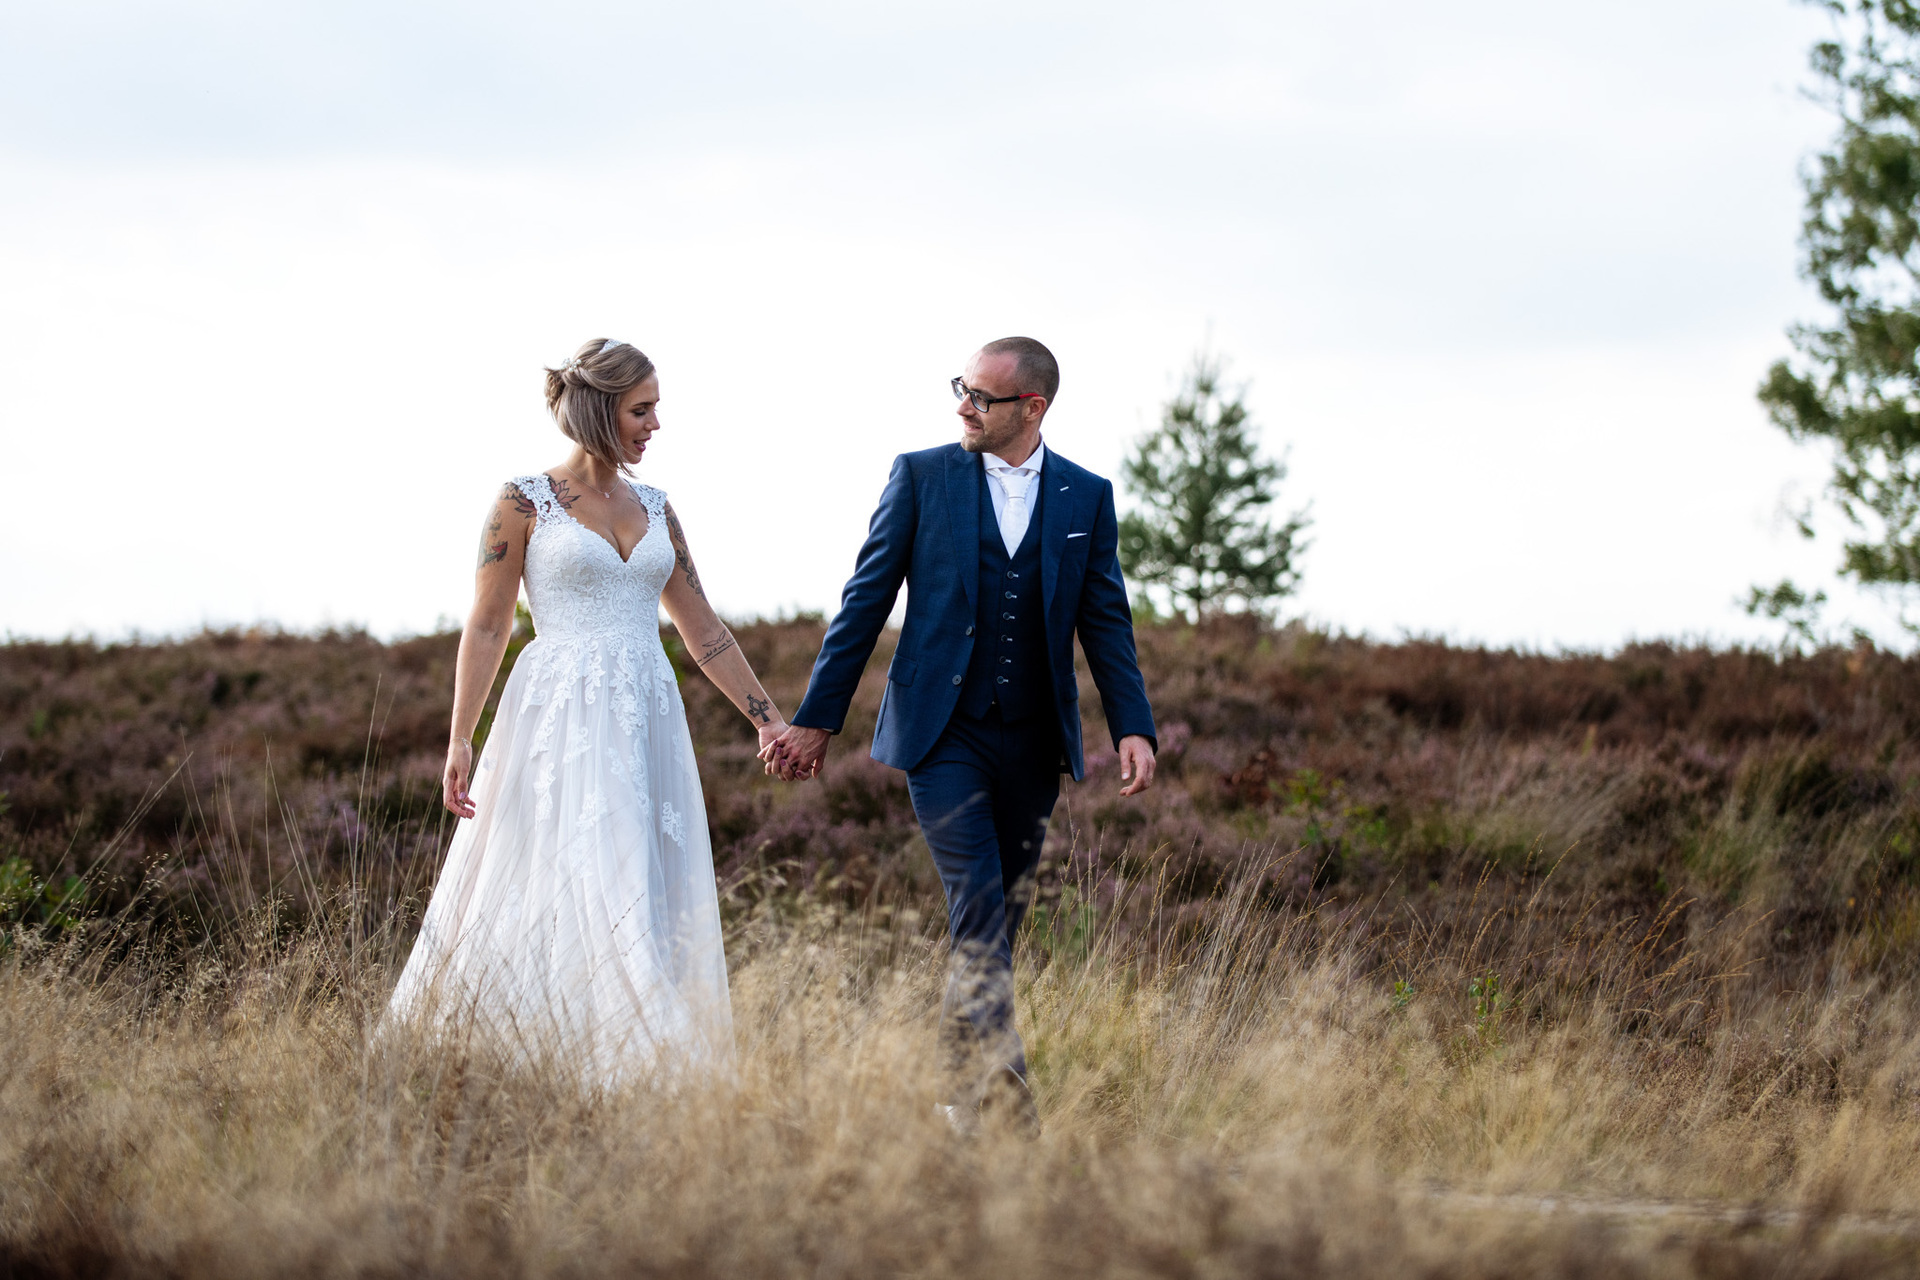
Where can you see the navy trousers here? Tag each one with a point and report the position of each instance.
(983, 796)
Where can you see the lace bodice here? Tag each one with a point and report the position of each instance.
(577, 585)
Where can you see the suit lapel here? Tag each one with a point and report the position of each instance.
(1056, 516)
(964, 478)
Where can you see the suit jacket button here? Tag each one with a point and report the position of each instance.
(969, 630)
(956, 679)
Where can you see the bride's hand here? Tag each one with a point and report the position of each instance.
(769, 734)
(791, 761)
(453, 782)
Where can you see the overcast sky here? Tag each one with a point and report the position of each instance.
(277, 281)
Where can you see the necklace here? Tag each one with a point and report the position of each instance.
(605, 493)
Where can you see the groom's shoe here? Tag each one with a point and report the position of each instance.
(961, 1118)
(1008, 1103)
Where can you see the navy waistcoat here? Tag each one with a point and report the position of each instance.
(1009, 663)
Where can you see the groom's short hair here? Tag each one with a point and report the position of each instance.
(1034, 367)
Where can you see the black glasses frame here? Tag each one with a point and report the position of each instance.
(981, 400)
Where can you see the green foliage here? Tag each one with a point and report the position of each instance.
(1202, 532)
(1790, 606)
(1856, 383)
(30, 902)
(1064, 928)
(1335, 829)
(1488, 1001)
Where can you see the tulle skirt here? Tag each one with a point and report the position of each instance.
(576, 915)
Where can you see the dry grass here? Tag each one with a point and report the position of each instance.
(1256, 1103)
(1413, 942)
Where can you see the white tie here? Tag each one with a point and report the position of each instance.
(1013, 520)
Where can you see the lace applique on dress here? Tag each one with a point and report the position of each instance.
(626, 691)
(593, 807)
(666, 684)
(654, 500)
(537, 490)
(543, 788)
(672, 823)
(578, 744)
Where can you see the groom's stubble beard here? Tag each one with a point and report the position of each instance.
(991, 439)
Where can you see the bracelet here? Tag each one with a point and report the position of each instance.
(465, 742)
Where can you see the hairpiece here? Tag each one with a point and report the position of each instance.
(573, 363)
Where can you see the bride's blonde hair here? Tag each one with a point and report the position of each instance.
(583, 395)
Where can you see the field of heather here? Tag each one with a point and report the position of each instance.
(1418, 960)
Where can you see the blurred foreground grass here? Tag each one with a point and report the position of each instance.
(1252, 1105)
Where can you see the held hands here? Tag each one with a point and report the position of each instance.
(799, 753)
(454, 780)
(796, 754)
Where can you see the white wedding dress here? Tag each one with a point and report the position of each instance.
(576, 913)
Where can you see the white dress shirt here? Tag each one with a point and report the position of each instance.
(1021, 483)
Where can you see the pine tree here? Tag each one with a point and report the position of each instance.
(1202, 533)
(1857, 381)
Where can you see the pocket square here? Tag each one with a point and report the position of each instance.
(1076, 535)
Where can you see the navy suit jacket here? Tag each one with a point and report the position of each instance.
(926, 533)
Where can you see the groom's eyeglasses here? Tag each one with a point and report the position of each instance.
(981, 400)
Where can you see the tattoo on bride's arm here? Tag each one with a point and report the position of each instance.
(713, 649)
(680, 553)
(491, 547)
(760, 709)
(522, 504)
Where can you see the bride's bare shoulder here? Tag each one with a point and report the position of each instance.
(519, 495)
(509, 524)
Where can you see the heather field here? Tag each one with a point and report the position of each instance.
(1419, 960)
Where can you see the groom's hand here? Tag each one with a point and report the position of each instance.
(1136, 764)
(798, 753)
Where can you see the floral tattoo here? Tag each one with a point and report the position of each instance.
(681, 555)
(522, 504)
(492, 546)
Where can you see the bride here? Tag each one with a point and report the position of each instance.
(576, 910)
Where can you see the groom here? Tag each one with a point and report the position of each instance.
(1008, 550)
